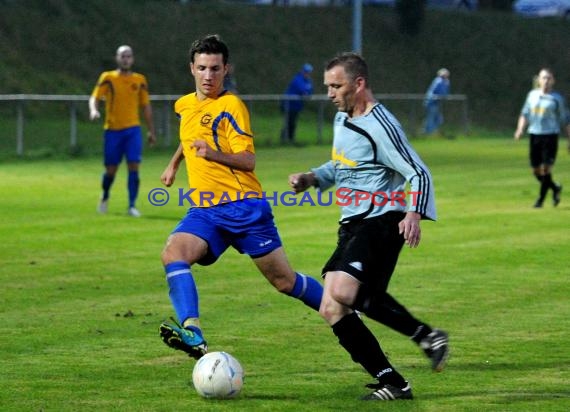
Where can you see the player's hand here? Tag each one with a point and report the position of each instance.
(151, 139)
(517, 134)
(300, 182)
(168, 176)
(410, 228)
(202, 149)
(94, 115)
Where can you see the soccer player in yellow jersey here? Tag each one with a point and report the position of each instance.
(227, 206)
(125, 93)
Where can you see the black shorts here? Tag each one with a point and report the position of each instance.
(543, 149)
(368, 249)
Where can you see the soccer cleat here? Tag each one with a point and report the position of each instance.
(186, 340)
(556, 195)
(436, 347)
(538, 204)
(103, 206)
(133, 212)
(387, 392)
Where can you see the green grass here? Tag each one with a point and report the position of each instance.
(83, 294)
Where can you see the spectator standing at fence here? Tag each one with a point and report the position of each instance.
(436, 92)
(544, 112)
(125, 93)
(371, 159)
(300, 86)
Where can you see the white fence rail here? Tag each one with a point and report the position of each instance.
(322, 100)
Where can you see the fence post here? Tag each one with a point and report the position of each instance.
(73, 125)
(20, 128)
(166, 120)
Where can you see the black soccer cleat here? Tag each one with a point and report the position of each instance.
(436, 347)
(556, 195)
(387, 392)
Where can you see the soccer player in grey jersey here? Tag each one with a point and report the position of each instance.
(371, 162)
(543, 112)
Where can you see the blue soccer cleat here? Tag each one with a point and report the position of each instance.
(186, 340)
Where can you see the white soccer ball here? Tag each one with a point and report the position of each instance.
(218, 375)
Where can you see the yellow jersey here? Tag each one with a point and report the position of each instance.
(124, 95)
(224, 124)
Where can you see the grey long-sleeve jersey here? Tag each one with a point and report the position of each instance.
(371, 162)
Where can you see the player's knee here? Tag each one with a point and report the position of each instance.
(166, 256)
(341, 295)
(331, 310)
(172, 252)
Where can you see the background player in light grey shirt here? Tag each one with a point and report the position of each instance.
(544, 112)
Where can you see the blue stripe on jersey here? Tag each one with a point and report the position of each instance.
(398, 143)
(216, 122)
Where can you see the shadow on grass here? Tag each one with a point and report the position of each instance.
(501, 396)
(506, 366)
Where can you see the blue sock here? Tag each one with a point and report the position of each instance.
(106, 183)
(133, 187)
(183, 293)
(308, 291)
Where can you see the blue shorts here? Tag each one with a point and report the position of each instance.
(246, 225)
(124, 142)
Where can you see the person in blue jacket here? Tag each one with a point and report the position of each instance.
(301, 85)
(438, 89)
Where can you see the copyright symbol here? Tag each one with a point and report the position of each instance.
(158, 197)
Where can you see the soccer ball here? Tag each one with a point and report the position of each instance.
(218, 375)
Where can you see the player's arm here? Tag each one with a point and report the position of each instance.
(521, 126)
(147, 112)
(169, 174)
(300, 182)
(243, 160)
(322, 178)
(94, 108)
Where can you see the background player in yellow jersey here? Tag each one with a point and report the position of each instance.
(216, 143)
(125, 93)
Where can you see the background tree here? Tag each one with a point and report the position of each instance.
(411, 15)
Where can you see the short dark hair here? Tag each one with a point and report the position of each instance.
(353, 63)
(210, 44)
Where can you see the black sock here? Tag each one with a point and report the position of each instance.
(544, 186)
(550, 182)
(364, 348)
(388, 311)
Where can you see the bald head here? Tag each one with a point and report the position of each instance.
(124, 48)
(125, 58)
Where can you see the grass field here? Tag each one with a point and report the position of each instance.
(83, 294)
